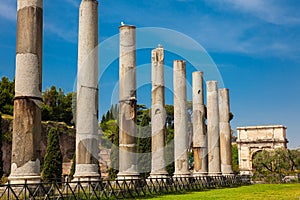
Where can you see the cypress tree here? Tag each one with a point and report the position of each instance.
(52, 167)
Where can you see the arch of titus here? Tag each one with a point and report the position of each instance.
(252, 139)
(212, 147)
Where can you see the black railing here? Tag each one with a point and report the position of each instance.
(118, 189)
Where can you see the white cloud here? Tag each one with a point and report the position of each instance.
(227, 35)
(68, 35)
(8, 10)
(271, 11)
(74, 3)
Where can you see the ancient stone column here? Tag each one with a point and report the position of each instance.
(25, 161)
(158, 115)
(87, 167)
(214, 165)
(199, 132)
(225, 132)
(180, 120)
(127, 104)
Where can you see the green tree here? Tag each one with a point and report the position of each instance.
(235, 159)
(1, 138)
(73, 166)
(170, 116)
(170, 151)
(112, 134)
(7, 90)
(52, 167)
(110, 138)
(144, 141)
(57, 106)
(114, 154)
(170, 139)
(65, 108)
(275, 161)
(110, 130)
(294, 156)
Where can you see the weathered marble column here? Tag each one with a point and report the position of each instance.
(25, 161)
(199, 132)
(225, 132)
(127, 104)
(158, 115)
(214, 165)
(87, 166)
(180, 120)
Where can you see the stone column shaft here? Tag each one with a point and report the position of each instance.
(158, 115)
(199, 132)
(25, 161)
(225, 132)
(127, 104)
(214, 165)
(180, 120)
(87, 166)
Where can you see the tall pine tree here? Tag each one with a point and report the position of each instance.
(52, 167)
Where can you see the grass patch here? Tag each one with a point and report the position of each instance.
(257, 191)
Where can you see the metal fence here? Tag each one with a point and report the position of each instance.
(118, 189)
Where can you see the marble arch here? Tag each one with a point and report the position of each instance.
(252, 139)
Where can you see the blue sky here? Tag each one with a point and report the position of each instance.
(255, 45)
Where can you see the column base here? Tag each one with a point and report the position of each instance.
(86, 172)
(214, 174)
(157, 175)
(197, 174)
(24, 179)
(182, 175)
(128, 176)
(228, 174)
(27, 173)
(85, 178)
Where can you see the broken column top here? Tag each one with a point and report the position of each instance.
(126, 26)
(211, 86)
(30, 3)
(179, 65)
(224, 89)
(198, 72)
(183, 61)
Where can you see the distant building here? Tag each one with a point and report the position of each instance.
(252, 139)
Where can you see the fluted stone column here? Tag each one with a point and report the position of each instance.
(25, 161)
(225, 132)
(158, 115)
(199, 132)
(214, 162)
(180, 120)
(127, 104)
(87, 149)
